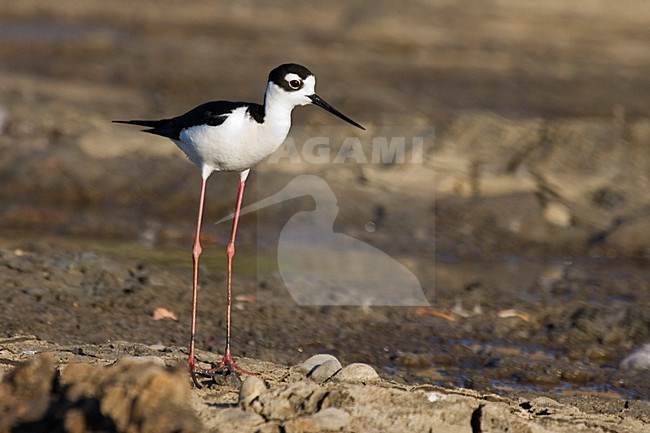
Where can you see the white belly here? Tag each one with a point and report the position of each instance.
(236, 145)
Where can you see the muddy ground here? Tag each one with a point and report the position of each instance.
(525, 216)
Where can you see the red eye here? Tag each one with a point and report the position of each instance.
(295, 84)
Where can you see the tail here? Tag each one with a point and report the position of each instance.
(164, 128)
(147, 123)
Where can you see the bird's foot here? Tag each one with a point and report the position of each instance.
(228, 365)
(225, 367)
(193, 366)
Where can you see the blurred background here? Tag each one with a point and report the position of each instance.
(534, 181)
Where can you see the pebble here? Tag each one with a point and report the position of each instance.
(638, 359)
(557, 214)
(329, 419)
(250, 390)
(159, 347)
(141, 360)
(235, 419)
(357, 372)
(314, 361)
(326, 370)
(435, 396)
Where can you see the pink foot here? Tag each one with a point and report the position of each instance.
(193, 366)
(230, 364)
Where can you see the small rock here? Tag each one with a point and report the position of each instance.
(541, 403)
(638, 359)
(314, 361)
(235, 419)
(135, 394)
(329, 419)
(159, 347)
(326, 370)
(357, 372)
(557, 214)
(435, 396)
(250, 390)
(282, 403)
(26, 391)
(132, 360)
(140, 394)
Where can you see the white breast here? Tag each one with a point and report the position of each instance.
(237, 144)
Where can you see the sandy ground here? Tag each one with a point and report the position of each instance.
(524, 214)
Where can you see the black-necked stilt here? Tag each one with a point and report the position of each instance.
(236, 136)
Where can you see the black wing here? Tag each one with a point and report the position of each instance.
(211, 113)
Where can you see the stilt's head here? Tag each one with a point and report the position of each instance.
(294, 84)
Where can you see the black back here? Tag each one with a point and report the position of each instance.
(211, 113)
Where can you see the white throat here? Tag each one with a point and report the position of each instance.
(277, 111)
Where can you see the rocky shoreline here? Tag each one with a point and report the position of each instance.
(84, 388)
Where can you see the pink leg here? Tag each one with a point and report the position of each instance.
(227, 360)
(196, 252)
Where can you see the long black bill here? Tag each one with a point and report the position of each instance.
(322, 104)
